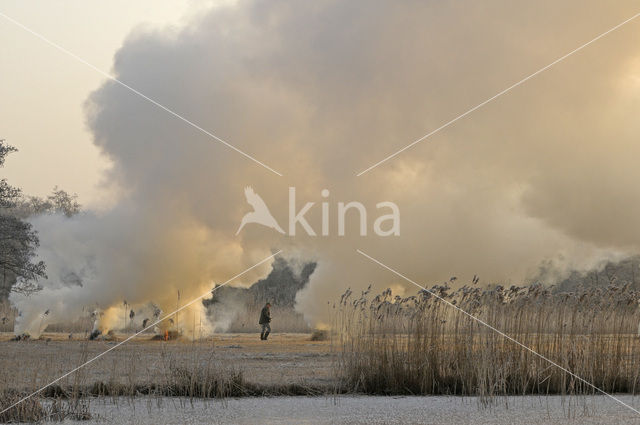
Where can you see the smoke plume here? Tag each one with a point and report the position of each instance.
(320, 91)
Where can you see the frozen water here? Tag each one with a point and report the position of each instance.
(584, 410)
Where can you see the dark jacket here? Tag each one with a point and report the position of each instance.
(265, 316)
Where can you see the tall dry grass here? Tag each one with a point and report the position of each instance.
(421, 345)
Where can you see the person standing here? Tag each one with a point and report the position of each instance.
(265, 319)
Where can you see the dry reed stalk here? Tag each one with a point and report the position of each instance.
(420, 345)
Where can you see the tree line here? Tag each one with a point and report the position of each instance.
(20, 270)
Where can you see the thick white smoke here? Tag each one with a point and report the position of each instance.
(320, 92)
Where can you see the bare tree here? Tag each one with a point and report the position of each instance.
(59, 202)
(18, 241)
(9, 195)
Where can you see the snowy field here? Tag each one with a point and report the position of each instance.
(365, 410)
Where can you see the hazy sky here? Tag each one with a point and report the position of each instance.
(42, 90)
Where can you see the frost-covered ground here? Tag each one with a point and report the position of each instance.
(284, 359)
(366, 410)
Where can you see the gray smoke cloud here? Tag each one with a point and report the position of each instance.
(320, 92)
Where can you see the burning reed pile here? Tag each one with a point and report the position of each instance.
(420, 345)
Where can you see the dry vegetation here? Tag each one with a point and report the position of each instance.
(378, 345)
(226, 365)
(421, 345)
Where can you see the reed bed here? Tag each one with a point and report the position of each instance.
(420, 345)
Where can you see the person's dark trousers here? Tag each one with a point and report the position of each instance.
(266, 330)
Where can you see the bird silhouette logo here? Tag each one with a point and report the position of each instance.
(260, 213)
